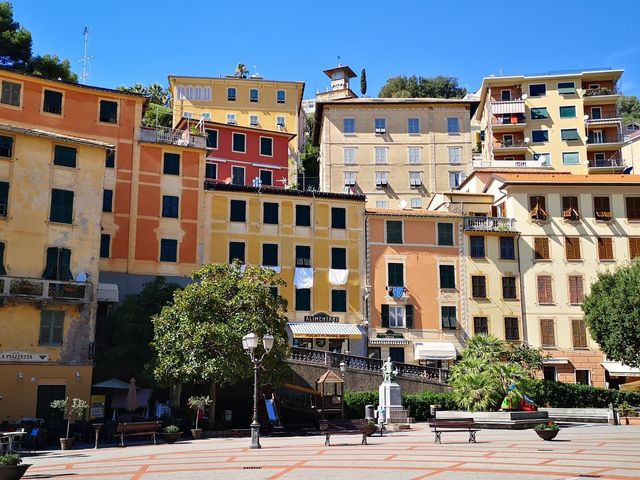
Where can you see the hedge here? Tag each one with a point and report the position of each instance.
(418, 404)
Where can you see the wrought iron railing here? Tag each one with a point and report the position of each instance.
(593, 92)
(606, 162)
(172, 137)
(41, 289)
(490, 224)
(603, 116)
(509, 144)
(598, 139)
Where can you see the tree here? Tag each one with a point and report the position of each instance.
(363, 82)
(309, 158)
(242, 71)
(612, 313)
(629, 108)
(158, 113)
(50, 66)
(422, 87)
(15, 40)
(198, 337)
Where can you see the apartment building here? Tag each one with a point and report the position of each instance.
(566, 121)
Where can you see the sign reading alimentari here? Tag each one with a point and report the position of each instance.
(321, 317)
(23, 357)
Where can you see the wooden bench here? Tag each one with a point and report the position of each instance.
(137, 429)
(346, 427)
(439, 425)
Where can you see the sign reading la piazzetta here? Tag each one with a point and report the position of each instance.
(23, 357)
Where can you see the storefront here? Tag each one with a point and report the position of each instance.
(618, 374)
(323, 332)
(434, 354)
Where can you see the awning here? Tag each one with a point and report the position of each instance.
(434, 351)
(113, 383)
(324, 330)
(388, 341)
(618, 369)
(108, 292)
(515, 106)
(556, 361)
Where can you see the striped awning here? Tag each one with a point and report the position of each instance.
(516, 106)
(324, 330)
(388, 341)
(434, 351)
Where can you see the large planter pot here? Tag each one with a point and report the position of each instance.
(171, 437)
(13, 472)
(66, 443)
(368, 431)
(547, 434)
(197, 433)
(630, 420)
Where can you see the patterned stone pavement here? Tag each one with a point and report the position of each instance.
(605, 452)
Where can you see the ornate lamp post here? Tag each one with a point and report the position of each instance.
(250, 343)
(343, 372)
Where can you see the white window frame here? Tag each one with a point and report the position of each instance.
(349, 155)
(575, 373)
(344, 130)
(460, 175)
(546, 156)
(417, 119)
(399, 316)
(538, 96)
(284, 96)
(415, 155)
(383, 177)
(455, 155)
(382, 204)
(216, 165)
(570, 153)
(415, 179)
(416, 202)
(380, 125)
(270, 172)
(457, 129)
(350, 178)
(233, 142)
(244, 175)
(260, 146)
(380, 155)
(231, 119)
(254, 120)
(281, 122)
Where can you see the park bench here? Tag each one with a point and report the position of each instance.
(137, 429)
(345, 427)
(439, 425)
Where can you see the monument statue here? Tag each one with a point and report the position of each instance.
(389, 372)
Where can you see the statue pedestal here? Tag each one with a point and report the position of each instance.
(390, 398)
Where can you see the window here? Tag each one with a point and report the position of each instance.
(349, 179)
(413, 125)
(583, 377)
(303, 299)
(253, 120)
(568, 112)
(537, 90)
(51, 327)
(380, 125)
(231, 118)
(171, 164)
(541, 248)
(414, 179)
(454, 155)
(210, 171)
(507, 248)
(602, 209)
(447, 276)
(448, 317)
(414, 155)
(170, 206)
(579, 333)
(270, 254)
(253, 95)
(110, 159)
(58, 264)
(511, 329)
(168, 250)
(303, 215)
(52, 102)
(416, 203)
(476, 243)
(303, 256)
(266, 177)
(236, 252)
(281, 96)
(545, 292)
(605, 248)
(382, 179)
(10, 93)
(348, 125)
(395, 274)
(6, 146)
(382, 204)
(539, 136)
(634, 247)
(338, 217)
(107, 200)
(570, 208)
(61, 206)
(509, 288)
(538, 208)
(212, 138)
(238, 211)
(394, 231)
(445, 233)
(453, 125)
(539, 113)
(480, 325)
(569, 134)
(349, 155)
(566, 88)
(633, 208)
(239, 142)
(339, 258)
(549, 373)
(571, 158)
(572, 248)
(280, 122)
(231, 94)
(338, 300)
(266, 146)
(576, 289)
(547, 332)
(4, 198)
(237, 176)
(108, 111)
(64, 156)
(455, 179)
(479, 286)
(270, 213)
(401, 317)
(380, 155)
(543, 158)
(105, 244)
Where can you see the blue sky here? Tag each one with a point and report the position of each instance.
(139, 41)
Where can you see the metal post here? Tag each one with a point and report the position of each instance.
(255, 426)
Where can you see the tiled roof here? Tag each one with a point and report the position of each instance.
(557, 178)
(265, 190)
(414, 212)
(53, 135)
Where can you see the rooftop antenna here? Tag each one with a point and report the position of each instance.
(339, 64)
(85, 59)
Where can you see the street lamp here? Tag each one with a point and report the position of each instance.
(250, 343)
(343, 371)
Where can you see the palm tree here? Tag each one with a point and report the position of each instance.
(242, 71)
(158, 94)
(485, 346)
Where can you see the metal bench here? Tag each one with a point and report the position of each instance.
(439, 425)
(137, 429)
(345, 427)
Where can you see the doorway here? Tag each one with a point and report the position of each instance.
(549, 373)
(46, 395)
(396, 354)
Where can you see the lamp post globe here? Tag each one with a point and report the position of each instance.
(250, 343)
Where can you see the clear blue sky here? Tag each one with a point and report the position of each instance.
(140, 41)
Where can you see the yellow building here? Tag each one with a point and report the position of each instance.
(314, 240)
(567, 121)
(49, 252)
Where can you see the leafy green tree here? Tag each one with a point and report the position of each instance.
(309, 157)
(529, 357)
(422, 87)
(51, 66)
(629, 108)
(363, 82)
(15, 40)
(158, 113)
(198, 338)
(612, 313)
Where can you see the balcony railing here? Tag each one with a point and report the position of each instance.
(479, 163)
(596, 140)
(397, 291)
(330, 359)
(490, 224)
(604, 116)
(606, 162)
(507, 106)
(594, 92)
(513, 119)
(40, 289)
(509, 144)
(172, 137)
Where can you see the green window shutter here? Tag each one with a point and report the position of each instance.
(57, 328)
(45, 328)
(384, 311)
(569, 134)
(539, 113)
(568, 112)
(65, 264)
(396, 274)
(51, 264)
(2, 270)
(566, 88)
(408, 313)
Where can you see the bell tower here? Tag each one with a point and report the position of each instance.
(340, 77)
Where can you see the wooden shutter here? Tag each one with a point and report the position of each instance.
(537, 208)
(579, 331)
(570, 208)
(605, 248)
(2, 270)
(548, 333)
(408, 316)
(57, 330)
(545, 294)
(384, 312)
(633, 208)
(572, 248)
(602, 208)
(51, 264)
(541, 248)
(576, 289)
(634, 247)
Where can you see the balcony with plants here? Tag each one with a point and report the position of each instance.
(39, 289)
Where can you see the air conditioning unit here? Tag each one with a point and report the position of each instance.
(381, 130)
(415, 182)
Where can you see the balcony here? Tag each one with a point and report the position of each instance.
(511, 146)
(509, 106)
(489, 224)
(479, 163)
(604, 118)
(172, 137)
(509, 122)
(38, 289)
(603, 165)
(600, 95)
(605, 141)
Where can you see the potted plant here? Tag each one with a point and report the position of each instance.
(198, 404)
(370, 427)
(547, 431)
(627, 413)
(72, 410)
(171, 433)
(11, 467)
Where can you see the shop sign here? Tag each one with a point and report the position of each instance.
(321, 317)
(26, 357)
(389, 334)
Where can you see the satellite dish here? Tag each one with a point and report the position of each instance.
(403, 204)
(526, 139)
(525, 96)
(586, 117)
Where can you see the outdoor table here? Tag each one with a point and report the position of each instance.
(12, 436)
(97, 427)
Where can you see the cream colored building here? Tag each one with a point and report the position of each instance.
(631, 148)
(567, 121)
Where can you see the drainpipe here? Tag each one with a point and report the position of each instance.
(367, 286)
(525, 336)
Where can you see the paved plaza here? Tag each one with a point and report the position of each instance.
(579, 452)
